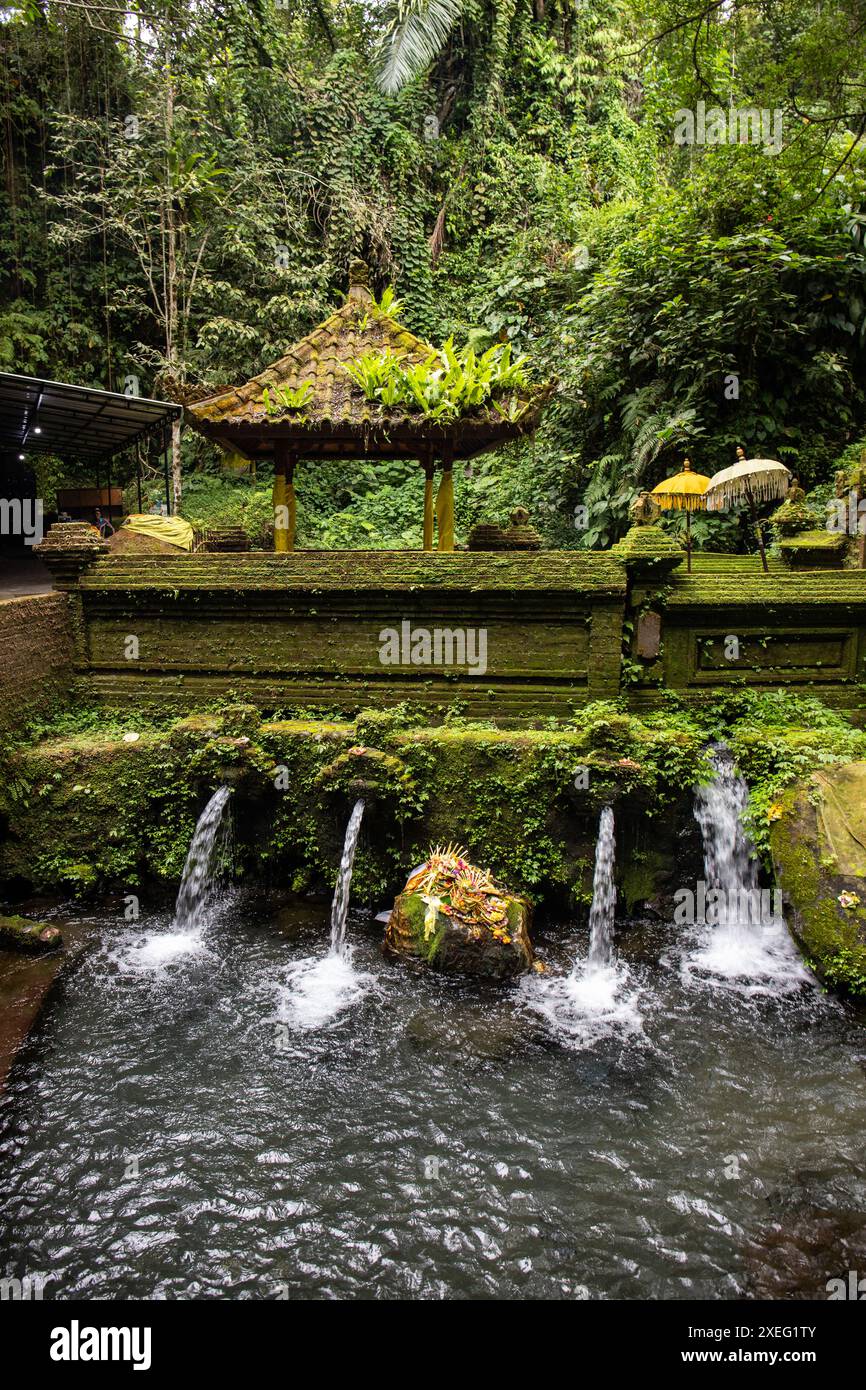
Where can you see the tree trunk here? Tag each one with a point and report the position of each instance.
(171, 312)
(175, 467)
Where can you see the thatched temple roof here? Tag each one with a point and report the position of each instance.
(337, 419)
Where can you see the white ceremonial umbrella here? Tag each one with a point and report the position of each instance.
(751, 481)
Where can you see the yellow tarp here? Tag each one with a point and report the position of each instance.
(172, 529)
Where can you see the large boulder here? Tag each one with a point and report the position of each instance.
(818, 842)
(453, 917)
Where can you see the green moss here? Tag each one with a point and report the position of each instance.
(811, 548)
(21, 934)
(793, 517)
(639, 877)
(97, 810)
(518, 800)
(833, 938)
(128, 810)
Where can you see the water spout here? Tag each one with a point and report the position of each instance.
(340, 905)
(598, 998)
(601, 914)
(729, 868)
(741, 943)
(319, 988)
(208, 854)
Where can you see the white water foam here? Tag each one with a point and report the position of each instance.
(591, 1003)
(156, 950)
(597, 999)
(320, 988)
(754, 960)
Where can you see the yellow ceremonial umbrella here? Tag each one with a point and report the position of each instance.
(685, 491)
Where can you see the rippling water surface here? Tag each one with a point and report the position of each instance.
(378, 1133)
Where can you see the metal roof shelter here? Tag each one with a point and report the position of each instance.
(53, 417)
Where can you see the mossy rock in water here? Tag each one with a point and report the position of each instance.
(420, 932)
(21, 934)
(818, 843)
(455, 917)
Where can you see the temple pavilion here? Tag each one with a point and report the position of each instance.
(334, 418)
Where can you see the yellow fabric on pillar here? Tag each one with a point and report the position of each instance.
(445, 510)
(281, 532)
(292, 506)
(428, 512)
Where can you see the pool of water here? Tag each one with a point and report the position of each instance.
(238, 1116)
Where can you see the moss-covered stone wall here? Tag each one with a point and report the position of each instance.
(729, 624)
(36, 654)
(306, 630)
(825, 901)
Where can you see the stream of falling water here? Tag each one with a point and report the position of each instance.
(208, 860)
(598, 996)
(601, 914)
(208, 854)
(340, 905)
(318, 988)
(740, 940)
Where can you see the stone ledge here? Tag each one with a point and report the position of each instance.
(68, 549)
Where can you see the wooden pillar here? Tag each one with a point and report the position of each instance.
(429, 470)
(285, 509)
(445, 505)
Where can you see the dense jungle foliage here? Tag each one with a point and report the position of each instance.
(185, 183)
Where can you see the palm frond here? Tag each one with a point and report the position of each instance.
(415, 36)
